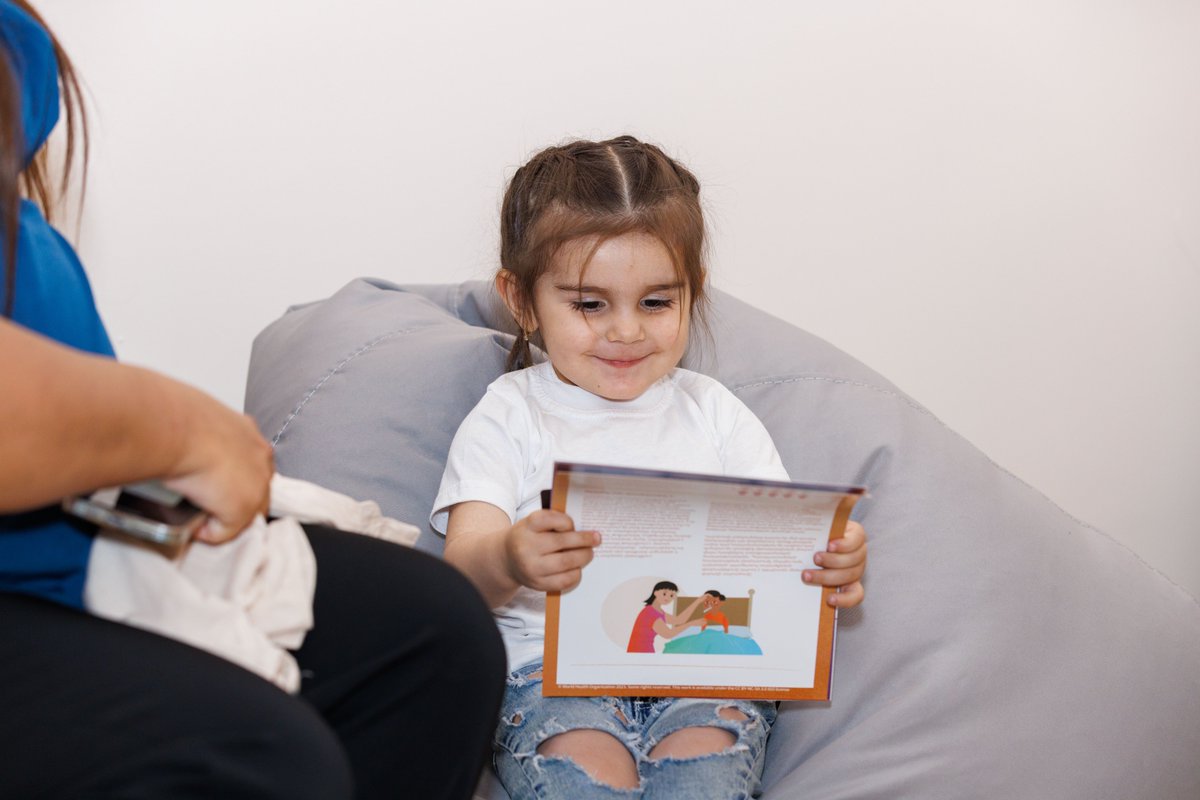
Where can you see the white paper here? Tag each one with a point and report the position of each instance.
(747, 540)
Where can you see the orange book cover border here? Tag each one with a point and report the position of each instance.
(822, 670)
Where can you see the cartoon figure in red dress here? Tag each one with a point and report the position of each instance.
(654, 621)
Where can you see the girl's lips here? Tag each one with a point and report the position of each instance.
(622, 363)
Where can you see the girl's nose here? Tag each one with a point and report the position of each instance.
(625, 328)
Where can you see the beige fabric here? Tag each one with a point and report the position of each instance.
(248, 600)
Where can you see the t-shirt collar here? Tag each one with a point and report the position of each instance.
(559, 391)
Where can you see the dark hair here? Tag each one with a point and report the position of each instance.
(715, 594)
(599, 190)
(32, 180)
(657, 587)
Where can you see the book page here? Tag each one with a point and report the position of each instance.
(746, 542)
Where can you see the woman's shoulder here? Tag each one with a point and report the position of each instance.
(51, 293)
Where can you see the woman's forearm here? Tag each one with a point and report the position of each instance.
(685, 615)
(72, 422)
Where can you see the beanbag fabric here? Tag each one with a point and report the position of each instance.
(1004, 649)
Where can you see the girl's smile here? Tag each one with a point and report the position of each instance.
(617, 322)
(622, 364)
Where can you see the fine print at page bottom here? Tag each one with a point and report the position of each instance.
(696, 590)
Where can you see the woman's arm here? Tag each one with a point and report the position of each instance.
(666, 632)
(73, 422)
(685, 615)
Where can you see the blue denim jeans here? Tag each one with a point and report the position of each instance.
(527, 720)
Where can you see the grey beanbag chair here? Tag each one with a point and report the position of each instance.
(1005, 649)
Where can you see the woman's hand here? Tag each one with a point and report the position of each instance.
(686, 614)
(671, 631)
(545, 552)
(842, 566)
(225, 466)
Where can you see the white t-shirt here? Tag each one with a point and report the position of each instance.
(505, 449)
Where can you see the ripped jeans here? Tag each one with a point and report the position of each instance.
(528, 719)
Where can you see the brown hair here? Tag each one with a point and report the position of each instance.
(599, 190)
(32, 180)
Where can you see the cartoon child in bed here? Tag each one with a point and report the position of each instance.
(713, 600)
(654, 621)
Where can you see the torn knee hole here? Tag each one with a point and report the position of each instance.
(731, 713)
(600, 755)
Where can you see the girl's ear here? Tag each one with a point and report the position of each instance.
(516, 302)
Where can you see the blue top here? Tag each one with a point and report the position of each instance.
(44, 552)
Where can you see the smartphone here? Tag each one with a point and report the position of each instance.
(147, 511)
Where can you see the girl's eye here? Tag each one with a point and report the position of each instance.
(657, 303)
(587, 306)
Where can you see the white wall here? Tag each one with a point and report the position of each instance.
(997, 205)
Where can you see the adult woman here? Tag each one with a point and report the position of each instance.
(653, 621)
(95, 708)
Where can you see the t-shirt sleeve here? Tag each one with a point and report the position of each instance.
(747, 450)
(485, 459)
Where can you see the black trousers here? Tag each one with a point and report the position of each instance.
(403, 674)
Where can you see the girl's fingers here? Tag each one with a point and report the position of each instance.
(841, 560)
(848, 551)
(552, 561)
(832, 577)
(547, 520)
(559, 582)
(568, 541)
(567, 561)
(848, 596)
(854, 538)
(545, 543)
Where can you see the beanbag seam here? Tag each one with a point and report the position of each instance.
(341, 365)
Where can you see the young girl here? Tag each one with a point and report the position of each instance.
(601, 258)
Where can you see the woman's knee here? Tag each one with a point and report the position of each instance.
(281, 758)
(465, 629)
(273, 747)
(378, 601)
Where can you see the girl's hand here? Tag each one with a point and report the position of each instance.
(842, 566)
(545, 552)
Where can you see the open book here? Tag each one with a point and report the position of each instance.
(696, 590)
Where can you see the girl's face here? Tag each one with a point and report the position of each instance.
(664, 597)
(617, 324)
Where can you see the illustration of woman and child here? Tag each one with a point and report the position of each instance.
(654, 621)
(601, 264)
